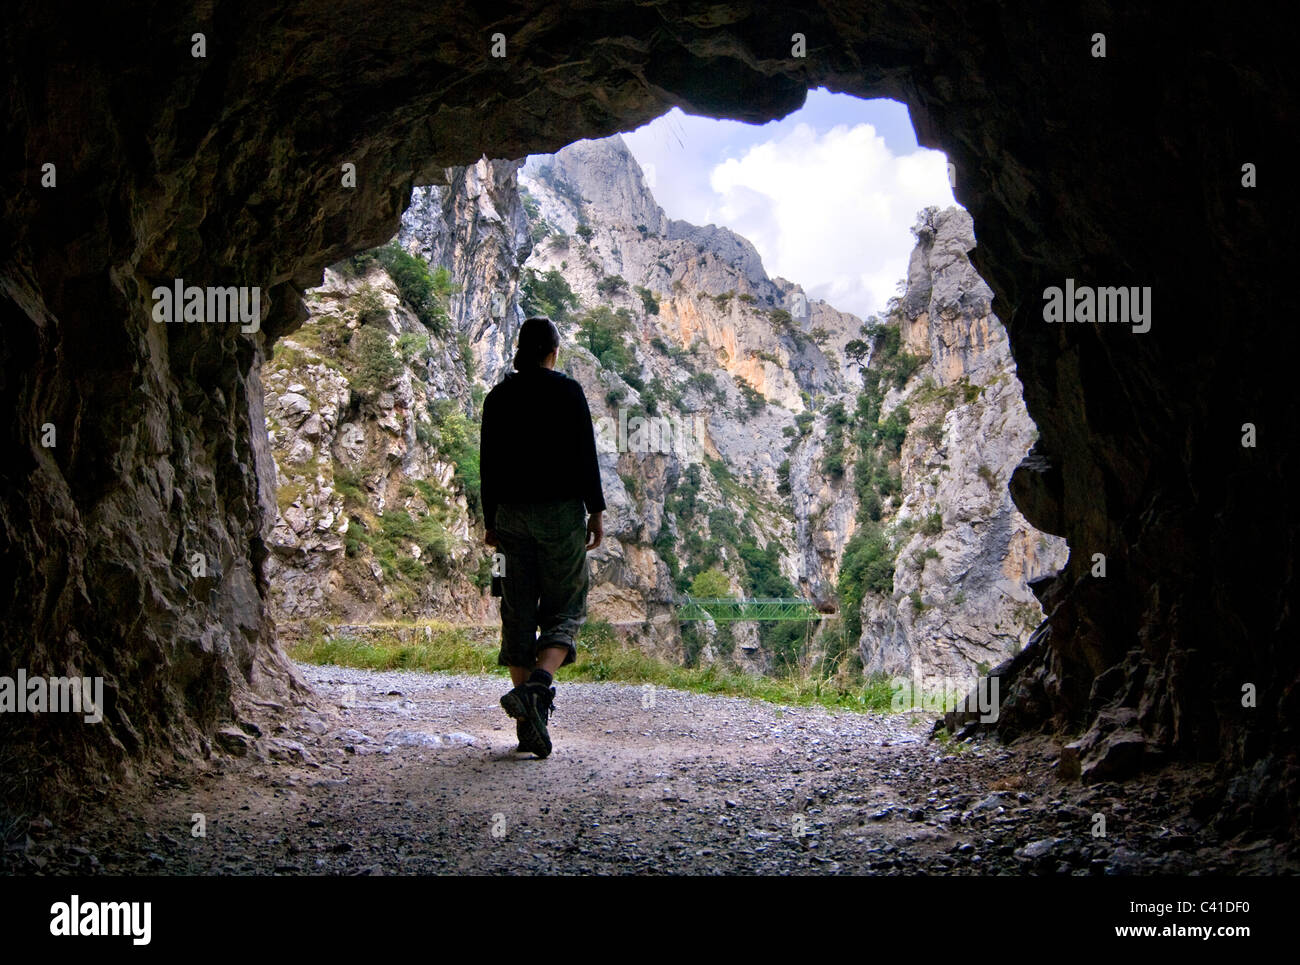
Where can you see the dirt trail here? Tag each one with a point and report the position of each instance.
(408, 772)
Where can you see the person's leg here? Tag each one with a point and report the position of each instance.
(563, 579)
(551, 659)
(519, 598)
(563, 576)
(518, 677)
(558, 533)
(531, 700)
(519, 594)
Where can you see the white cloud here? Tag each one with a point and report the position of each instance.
(831, 211)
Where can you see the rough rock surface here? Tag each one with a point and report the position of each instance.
(475, 226)
(697, 302)
(969, 431)
(333, 553)
(1125, 170)
(713, 309)
(707, 315)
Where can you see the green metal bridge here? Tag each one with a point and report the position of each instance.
(730, 609)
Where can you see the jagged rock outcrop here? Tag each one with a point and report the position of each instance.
(961, 600)
(474, 225)
(371, 523)
(1148, 167)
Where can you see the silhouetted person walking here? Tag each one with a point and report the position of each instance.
(539, 480)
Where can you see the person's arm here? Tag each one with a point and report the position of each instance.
(593, 495)
(488, 443)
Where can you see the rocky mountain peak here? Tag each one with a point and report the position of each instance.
(597, 176)
(964, 556)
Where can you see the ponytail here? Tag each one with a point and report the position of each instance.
(538, 338)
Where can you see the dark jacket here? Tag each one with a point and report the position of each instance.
(537, 443)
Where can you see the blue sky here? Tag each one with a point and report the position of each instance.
(827, 195)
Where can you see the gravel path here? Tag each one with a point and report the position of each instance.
(416, 773)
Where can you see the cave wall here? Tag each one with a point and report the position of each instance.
(226, 170)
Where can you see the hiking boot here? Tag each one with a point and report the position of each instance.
(513, 702)
(531, 705)
(521, 732)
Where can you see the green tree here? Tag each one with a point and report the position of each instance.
(648, 301)
(711, 585)
(893, 430)
(601, 331)
(754, 401)
(424, 290)
(610, 284)
(458, 443)
(368, 304)
(856, 350)
(548, 294)
(867, 565)
(377, 366)
(781, 321)
(763, 570)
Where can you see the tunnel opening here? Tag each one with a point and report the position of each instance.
(157, 460)
(706, 370)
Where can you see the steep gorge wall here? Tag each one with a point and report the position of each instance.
(474, 225)
(226, 170)
(339, 554)
(960, 600)
(698, 306)
(702, 293)
(372, 524)
(713, 348)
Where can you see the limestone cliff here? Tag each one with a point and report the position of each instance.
(474, 225)
(664, 321)
(377, 518)
(706, 339)
(365, 413)
(960, 599)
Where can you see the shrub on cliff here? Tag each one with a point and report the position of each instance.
(711, 585)
(424, 290)
(648, 300)
(867, 565)
(547, 294)
(377, 367)
(601, 332)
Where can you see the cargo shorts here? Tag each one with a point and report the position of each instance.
(545, 580)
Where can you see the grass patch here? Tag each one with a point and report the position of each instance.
(933, 524)
(288, 494)
(348, 484)
(285, 357)
(601, 657)
(449, 651)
